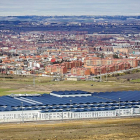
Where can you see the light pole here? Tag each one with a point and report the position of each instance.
(62, 115)
(106, 76)
(34, 80)
(119, 107)
(22, 112)
(100, 76)
(70, 107)
(106, 73)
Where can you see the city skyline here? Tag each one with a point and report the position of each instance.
(65, 7)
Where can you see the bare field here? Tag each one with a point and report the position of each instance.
(130, 76)
(100, 129)
(45, 85)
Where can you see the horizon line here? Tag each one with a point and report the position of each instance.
(65, 15)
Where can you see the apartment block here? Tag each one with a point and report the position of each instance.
(80, 71)
(56, 69)
(72, 64)
(99, 62)
(109, 68)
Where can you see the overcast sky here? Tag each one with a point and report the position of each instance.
(69, 7)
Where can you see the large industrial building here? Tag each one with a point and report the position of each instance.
(60, 105)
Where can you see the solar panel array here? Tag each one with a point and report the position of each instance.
(123, 95)
(96, 102)
(70, 92)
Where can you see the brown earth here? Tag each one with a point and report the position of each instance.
(130, 76)
(102, 129)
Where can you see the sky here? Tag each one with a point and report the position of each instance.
(69, 7)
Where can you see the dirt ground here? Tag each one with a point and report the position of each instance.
(130, 76)
(97, 129)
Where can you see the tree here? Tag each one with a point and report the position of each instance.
(102, 56)
(115, 56)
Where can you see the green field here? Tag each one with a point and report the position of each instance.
(136, 81)
(23, 85)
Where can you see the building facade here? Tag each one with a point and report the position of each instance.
(59, 105)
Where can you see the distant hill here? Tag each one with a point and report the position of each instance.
(66, 18)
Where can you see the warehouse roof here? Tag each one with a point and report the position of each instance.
(47, 102)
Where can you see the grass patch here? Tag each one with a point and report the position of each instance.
(135, 81)
(29, 92)
(21, 85)
(4, 91)
(10, 91)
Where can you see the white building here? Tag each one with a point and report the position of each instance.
(68, 105)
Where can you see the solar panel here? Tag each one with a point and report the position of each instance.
(102, 99)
